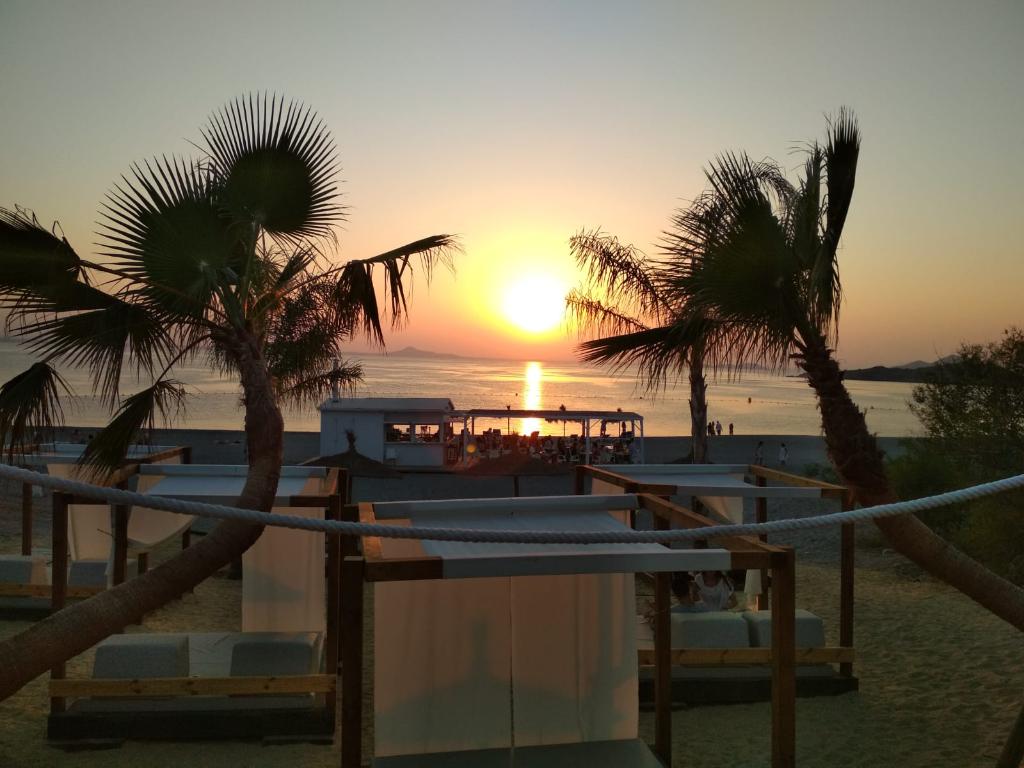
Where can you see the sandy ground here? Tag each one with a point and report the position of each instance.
(941, 680)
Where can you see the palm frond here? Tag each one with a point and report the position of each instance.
(30, 403)
(591, 316)
(109, 447)
(805, 213)
(312, 390)
(842, 150)
(166, 233)
(651, 354)
(30, 254)
(738, 181)
(621, 272)
(276, 162)
(304, 332)
(100, 340)
(356, 297)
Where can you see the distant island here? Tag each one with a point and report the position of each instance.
(917, 372)
(416, 352)
(884, 373)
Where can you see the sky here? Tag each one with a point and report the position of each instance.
(514, 125)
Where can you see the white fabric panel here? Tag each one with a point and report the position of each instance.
(148, 528)
(729, 507)
(496, 662)
(88, 524)
(442, 666)
(283, 579)
(574, 658)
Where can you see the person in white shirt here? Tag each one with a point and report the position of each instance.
(783, 455)
(706, 591)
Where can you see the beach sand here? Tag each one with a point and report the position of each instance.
(941, 680)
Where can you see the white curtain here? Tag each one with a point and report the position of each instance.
(495, 662)
(283, 583)
(89, 535)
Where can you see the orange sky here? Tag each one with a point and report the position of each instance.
(514, 125)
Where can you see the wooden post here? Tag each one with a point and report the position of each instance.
(515, 485)
(333, 601)
(783, 659)
(761, 516)
(26, 519)
(352, 662)
(580, 480)
(662, 660)
(344, 485)
(120, 543)
(186, 536)
(846, 578)
(59, 578)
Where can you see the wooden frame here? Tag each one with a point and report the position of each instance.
(374, 566)
(762, 475)
(333, 496)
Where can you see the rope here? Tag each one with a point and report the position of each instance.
(221, 512)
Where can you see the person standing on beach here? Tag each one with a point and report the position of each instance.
(783, 455)
(759, 454)
(718, 428)
(730, 429)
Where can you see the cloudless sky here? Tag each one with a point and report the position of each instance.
(516, 124)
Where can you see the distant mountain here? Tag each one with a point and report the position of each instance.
(415, 352)
(911, 373)
(918, 364)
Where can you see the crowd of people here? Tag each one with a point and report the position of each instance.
(559, 450)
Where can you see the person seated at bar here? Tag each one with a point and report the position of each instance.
(703, 592)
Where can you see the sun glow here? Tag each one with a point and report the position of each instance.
(534, 303)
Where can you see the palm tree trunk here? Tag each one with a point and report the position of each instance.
(80, 626)
(698, 406)
(858, 460)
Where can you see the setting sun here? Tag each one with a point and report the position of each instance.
(534, 303)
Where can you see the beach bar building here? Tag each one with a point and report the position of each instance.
(403, 431)
(621, 423)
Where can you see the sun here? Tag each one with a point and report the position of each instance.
(534, 303)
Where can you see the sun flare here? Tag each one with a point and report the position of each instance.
(534, 303)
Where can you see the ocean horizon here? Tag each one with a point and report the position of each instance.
(755, 403)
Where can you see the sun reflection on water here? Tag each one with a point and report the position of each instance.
(534, 376)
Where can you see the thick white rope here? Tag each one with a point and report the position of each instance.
(221, 512)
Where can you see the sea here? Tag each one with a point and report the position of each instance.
(754, 403)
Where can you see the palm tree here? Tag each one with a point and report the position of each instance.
(221, 258)
(766, 275)
(626, 303)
